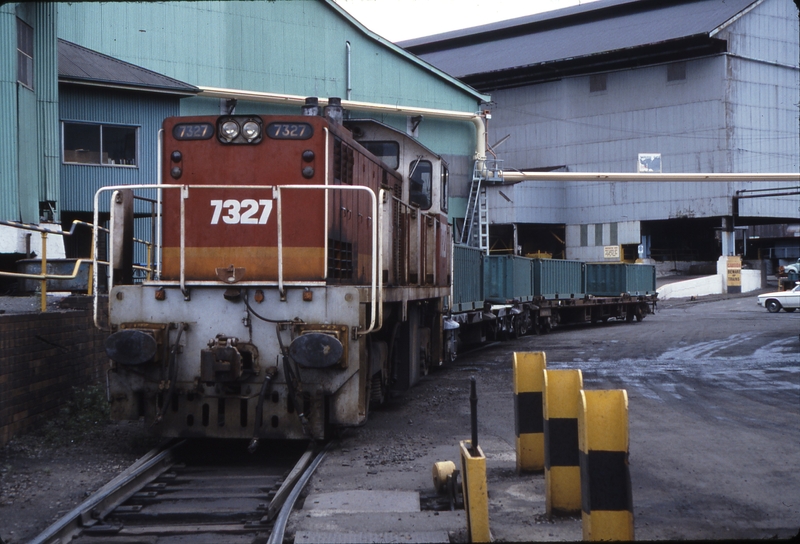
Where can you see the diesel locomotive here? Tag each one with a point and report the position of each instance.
(304, 271)
(301, 275)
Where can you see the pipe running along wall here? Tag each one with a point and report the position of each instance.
(477, 119)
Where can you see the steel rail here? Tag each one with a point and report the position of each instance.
(278, 530)
(111, 495)
(288, 484)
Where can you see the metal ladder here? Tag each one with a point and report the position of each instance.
(475, 232)
(470, 231)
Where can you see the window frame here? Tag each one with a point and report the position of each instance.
(598, 83)
(676, 72)
(25, 34)
(412, 169)
(101, 126)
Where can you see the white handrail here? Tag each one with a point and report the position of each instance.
(373, 199)
(376, 283)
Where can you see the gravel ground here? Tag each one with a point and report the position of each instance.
(41, 479)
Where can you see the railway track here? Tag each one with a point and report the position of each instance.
(194, 491)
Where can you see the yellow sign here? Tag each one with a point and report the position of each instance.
(734, 274)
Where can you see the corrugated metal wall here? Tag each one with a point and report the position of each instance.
(144, 110)
(45, 68)
(28, 135)
(731, 113)
(9, 203)
(296, 47)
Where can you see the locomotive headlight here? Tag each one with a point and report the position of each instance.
(230, 130)
(251, 130)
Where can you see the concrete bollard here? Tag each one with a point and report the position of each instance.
(476, 494)
(528, 411)
(562, 472)
(606, 499)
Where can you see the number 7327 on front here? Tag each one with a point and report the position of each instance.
(241, 212)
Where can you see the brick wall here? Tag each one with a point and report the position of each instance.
(42, 357)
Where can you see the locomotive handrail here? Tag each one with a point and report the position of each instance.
(376, 283)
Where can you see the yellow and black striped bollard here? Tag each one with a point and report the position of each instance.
(528, 412)
(562, 472)
(606, 499)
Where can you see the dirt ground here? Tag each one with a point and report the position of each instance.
(714, 392)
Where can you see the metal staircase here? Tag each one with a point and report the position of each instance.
(475, 232)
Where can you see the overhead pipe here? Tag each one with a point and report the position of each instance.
(510, 176)
(478, 120)
(349, 87)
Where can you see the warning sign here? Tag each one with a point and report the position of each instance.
(734, 274)
(611, 252)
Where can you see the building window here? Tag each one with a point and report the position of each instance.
(420, 176)
(584, 235)
(597, 83)
(24, 54)
(107, 145)
(613, 234)
(676, 71)
(598, 234)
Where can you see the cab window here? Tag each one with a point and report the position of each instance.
(388, 152)
(445, 188)
(420, 173)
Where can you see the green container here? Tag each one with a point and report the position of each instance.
(506, 277)
(557, 278)
(615, 279)
(467, 279)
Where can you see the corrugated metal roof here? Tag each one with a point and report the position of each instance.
(77, 64)
(579, 32)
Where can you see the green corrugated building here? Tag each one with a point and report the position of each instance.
(274, 50)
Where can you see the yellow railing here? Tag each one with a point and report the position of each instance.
(43, 276)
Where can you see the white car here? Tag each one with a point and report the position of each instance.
(788, 300)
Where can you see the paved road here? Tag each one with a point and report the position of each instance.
(714, 396)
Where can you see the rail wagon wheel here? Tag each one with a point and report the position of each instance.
(513, 326)
(523, 325)
(639, 314)
(773, 306)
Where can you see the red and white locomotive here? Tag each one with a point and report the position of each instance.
(301, 275)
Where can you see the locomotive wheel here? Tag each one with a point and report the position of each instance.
(377, 390)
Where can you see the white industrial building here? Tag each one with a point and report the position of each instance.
(624, 86)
